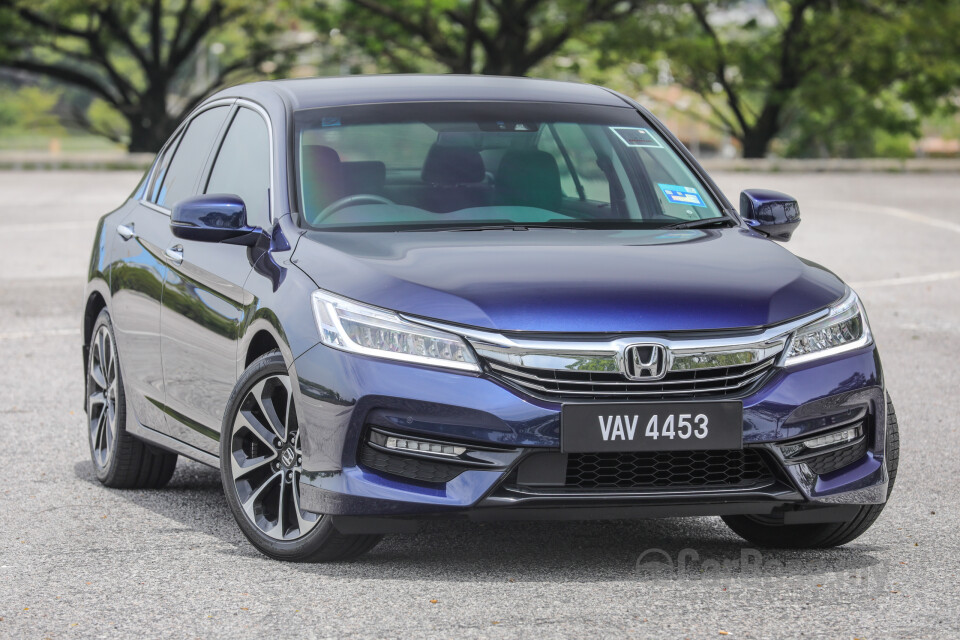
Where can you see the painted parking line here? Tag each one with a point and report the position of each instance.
(903, 214)
(48, 226)
(895, 282)
(24, 335)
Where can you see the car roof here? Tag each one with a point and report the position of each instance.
(307, 93)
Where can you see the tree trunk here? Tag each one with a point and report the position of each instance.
(150, 125)
(756, 140)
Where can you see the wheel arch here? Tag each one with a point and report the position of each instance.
(263, 335)
(96, 300)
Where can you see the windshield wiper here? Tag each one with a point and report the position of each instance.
(507, 227)
(697, 224)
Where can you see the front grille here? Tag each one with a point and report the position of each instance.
(835, 460)
(582, 385)
(667, 469)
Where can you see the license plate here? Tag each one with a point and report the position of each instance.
(653, 426)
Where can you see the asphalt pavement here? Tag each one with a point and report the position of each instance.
(79, 560)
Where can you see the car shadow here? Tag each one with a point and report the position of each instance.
(656, 549)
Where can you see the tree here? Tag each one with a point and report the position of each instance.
(500, 37)
(763, 68)
(140, 58)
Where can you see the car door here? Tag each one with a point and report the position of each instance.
(204, 300)
(136, 283)
(144, 258)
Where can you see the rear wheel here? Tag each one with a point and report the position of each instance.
(261, 464)
(768, 532)
(119, 459)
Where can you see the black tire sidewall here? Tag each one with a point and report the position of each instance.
(108, 473)
(300, 549)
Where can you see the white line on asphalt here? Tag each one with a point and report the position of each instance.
(893, 282)
(49, 226)
(20, 335)
(860, 207)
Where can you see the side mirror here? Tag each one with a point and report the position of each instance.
(771, 213)
(214, 217)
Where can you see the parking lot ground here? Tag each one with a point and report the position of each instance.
(79, 560)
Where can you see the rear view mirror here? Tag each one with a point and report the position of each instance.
(771, 213)
(213, 218)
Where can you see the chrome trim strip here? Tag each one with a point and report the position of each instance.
(274, 192)
(554, 393)
(579, 354)
(766, 364)
(155, 207)
(560, 493)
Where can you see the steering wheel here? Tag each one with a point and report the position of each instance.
(336, 205)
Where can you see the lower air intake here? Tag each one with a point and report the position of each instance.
(667, 469)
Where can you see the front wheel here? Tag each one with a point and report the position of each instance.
(768, 532)
(260, 466)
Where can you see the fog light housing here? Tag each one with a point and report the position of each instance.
(835, 438)
(409, 444)
(417, 446)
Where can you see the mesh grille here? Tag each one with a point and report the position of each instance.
(601, 385)
(408, 467)
(667, 469)
(837, 459)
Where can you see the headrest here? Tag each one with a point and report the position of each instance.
(453, 165)
(322, 177)
(364, 176)
(528, 178)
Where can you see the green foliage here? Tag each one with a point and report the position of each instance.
(30, 110)
(149, 62)
(823, 75)
(463, 36)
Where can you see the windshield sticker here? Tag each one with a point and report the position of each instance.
(676, 194)
(636, 137)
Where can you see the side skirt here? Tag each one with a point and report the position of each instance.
(164, 441)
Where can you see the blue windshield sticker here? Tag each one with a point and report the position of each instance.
(676, 194)
(330, 121)
(636, 137)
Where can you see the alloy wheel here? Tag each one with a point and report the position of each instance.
(102, 396)
(266, 461)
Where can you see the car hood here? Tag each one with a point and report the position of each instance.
(567, 280)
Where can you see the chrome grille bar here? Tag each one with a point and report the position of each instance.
(696, 392)
(516, 372)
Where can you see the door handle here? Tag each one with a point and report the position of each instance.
(126, 231)
(175, 254)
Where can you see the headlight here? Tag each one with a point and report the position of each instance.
(358, 328)
(844, 329)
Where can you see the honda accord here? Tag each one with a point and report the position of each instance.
(376, 301)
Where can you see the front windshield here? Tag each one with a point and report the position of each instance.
(445, 165)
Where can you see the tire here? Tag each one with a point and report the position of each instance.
(766, 532)
(119, 460)
(260, 466)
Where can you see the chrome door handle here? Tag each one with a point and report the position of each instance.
(175, 254)
(126, 231)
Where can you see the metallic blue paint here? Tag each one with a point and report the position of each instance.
(772, 213)
(228, 302)
(573, 280)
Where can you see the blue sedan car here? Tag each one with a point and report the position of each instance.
(375, 301)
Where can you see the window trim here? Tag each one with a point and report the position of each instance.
(242, 103)
(175, 139)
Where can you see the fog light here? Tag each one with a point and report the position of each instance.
(837, 437)
(408, 444)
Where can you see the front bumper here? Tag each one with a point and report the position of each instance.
(341, 396)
